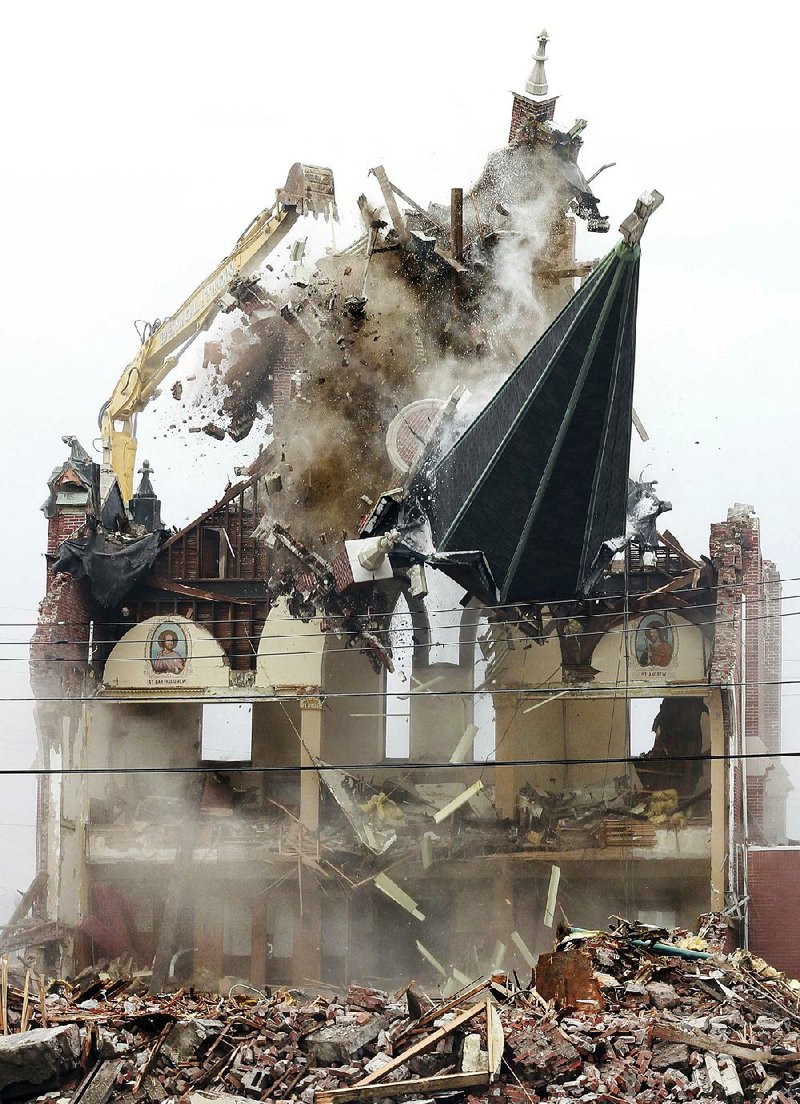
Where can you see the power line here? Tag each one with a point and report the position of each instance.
(522, 638)
(493, 607)
(221, 767)
(141, 696)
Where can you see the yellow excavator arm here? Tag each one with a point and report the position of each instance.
(309, 189)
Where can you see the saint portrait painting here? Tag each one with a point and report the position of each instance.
(168, 649)
(655, 644)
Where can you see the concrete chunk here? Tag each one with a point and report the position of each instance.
(669, 1055)
(185, 1039)
(336, 1045)
(38, 1059)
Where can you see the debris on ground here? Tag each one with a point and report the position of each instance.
(632, 1014)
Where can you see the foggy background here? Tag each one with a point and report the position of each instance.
(141, 139)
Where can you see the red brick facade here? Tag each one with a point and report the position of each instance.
(774, 884)
(526, 111)
(747, 643)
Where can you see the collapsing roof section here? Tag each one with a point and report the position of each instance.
(539, 479)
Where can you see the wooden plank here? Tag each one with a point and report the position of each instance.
(151, 1058)
(440, 1009)
(4, 994)
(444, 1082)
(23, 905)
(495, 1040)
(99, 1083)
(420, 1047)
(699, 1041)
(194, 592)
(26, 1006)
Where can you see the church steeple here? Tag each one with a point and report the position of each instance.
(539, 480)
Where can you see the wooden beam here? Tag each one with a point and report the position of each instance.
(194, 592)
(698, 1041)
(444, 1082)
(27, 899)
(420, 1047)
(495, 1042)
(457, 223)
(99, 1083)
(441, 1009)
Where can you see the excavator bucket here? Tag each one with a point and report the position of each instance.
(310, 189)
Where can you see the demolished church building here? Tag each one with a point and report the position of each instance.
(374, 713)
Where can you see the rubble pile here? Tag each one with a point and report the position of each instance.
(634, 1014)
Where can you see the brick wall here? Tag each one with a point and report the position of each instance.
(747, 641)
(59, 645)
(774, 884)
(526, 111)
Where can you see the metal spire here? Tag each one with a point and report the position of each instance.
(537, 81)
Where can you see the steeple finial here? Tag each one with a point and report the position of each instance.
(537, 81)
(145, 487)
(145, 506)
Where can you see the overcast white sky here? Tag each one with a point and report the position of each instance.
(140, 139)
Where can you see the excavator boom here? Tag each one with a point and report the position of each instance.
(309, 189)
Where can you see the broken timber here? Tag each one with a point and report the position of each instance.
(368, 1089)
(714, 1045)
(443, 1082)
(423, 1045)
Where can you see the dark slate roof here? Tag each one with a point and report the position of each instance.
(540, 478)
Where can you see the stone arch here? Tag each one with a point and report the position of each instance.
(682, 657)
(138, 661)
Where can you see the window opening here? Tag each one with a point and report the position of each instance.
(227, 733)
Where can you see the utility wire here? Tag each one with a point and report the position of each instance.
(521, 638)
(221, 767)
(493, 607)
(143, 695)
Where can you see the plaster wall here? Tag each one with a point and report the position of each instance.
(290, 651)
(198, 661)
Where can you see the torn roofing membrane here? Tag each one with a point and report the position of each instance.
(113, 569)
(549, 453)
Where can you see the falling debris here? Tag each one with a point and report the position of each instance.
(385, 884)
(457, 802)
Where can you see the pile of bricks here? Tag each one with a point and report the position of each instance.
(632, 1014)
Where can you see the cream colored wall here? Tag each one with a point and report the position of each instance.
(129, 666)
(527, 665)
(290, 651)
(688, 664)
(71, 883)
(563, 728)
(347, 738)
